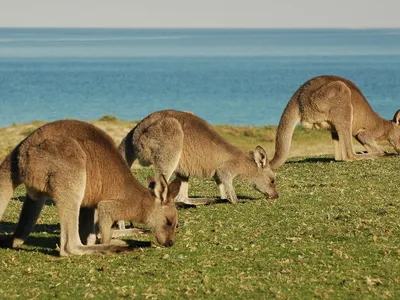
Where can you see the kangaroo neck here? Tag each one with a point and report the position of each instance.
(245, 165)
(387, 128)
(140, 199)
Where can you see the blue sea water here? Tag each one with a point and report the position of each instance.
(226, 76)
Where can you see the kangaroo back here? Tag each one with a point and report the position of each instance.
(181, 134)
(126, 148)
(9, 179)
(287, 124)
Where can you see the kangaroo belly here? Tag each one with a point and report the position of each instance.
(317, 125)
(195, 166)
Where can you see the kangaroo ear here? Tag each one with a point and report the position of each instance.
(151, 182)
(161, 189)
(173, 190)
(396, 118)
(260, 157)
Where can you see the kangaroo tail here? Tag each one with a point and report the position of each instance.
(127, 149)
(287, 124)
(9, 179)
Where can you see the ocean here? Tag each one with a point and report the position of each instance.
(226, 76)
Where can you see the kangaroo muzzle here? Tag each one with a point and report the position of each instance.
(274, 195)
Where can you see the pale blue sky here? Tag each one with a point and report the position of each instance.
(200, 13)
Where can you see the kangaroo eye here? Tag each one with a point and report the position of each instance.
(273, 181)
(169, 223)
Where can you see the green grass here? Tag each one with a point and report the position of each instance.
(333, 233)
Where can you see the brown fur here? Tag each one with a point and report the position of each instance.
(336, 104)
(182, 143)
(78, 165)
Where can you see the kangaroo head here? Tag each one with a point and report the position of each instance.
(163, 219)
(263, 179)
(394, 135)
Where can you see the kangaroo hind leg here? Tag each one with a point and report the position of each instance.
(336, 145)
(87, 231)
(28, 217)
(334, 100)
(162, 144)
(369, 143)
(68, 194)
(183, 195)
(9, 180)
(344, 128)
(183, 200)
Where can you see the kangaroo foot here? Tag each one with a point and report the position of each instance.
(182, 201)
(96, 249)
(118, 242)
(190, 202)
(128, 232)
(368, 156)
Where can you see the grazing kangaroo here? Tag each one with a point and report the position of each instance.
(336, 104)
(78, 165)
(182, 143)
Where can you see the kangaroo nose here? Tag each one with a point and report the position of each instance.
(169, 243)
(274, 196)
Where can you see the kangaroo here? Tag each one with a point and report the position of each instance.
(182, 143)
(336, 104)
(78, 165)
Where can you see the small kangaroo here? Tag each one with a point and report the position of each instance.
(182, 143)
(336, 104)
(77, 165)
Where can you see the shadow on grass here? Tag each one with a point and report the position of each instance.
(198, 200)
(325, 159)
(249, 198)
(312, 160)
(8, 227)
(47, 245)
(50, 242)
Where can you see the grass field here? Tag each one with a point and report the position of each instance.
(334, 233)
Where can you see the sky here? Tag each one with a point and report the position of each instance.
(200, 13)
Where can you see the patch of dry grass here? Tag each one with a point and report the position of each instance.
(304, 143)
